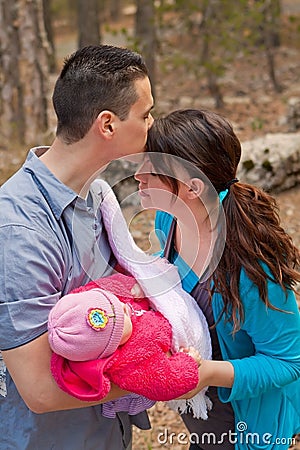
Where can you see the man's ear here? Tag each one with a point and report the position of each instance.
(196, 188)
(106, 124)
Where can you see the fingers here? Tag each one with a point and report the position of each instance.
(137, 291)
(191, 351)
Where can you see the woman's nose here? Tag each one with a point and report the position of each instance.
(141, 174)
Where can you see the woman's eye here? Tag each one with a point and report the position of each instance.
(154, 174)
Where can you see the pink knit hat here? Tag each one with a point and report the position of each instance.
(86, 325)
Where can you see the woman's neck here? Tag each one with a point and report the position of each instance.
(195, 239)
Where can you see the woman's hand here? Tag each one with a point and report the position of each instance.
(212, 373)
(191, 351)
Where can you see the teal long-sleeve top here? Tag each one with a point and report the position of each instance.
(265, 354)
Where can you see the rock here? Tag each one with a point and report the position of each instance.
(120, 176)
(271, 162)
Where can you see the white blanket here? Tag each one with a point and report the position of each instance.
(161, 283)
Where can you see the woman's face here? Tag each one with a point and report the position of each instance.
(153, 192)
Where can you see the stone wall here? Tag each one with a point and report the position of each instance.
(271, 162)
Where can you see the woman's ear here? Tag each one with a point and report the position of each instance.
(196, 188)
(106, 124)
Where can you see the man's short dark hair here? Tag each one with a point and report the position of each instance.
(93, 79)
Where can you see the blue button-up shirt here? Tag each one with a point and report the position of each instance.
(51, 241)
(49, 244)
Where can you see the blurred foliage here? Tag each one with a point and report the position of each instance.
(257, 123)
(205, 36)
(64, 10)
(229, 27)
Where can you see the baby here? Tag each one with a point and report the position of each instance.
(100, 334)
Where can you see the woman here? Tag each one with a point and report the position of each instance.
(241, 267)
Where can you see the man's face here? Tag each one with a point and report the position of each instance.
(132, 132)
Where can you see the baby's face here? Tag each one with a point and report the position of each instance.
(127, 324)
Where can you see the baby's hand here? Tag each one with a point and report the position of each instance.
(137, 292)
(193, 353)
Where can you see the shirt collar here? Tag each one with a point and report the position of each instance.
(57, 194)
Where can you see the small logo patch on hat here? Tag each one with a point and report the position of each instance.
(97, 318)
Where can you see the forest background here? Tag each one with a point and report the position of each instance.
(240, 58)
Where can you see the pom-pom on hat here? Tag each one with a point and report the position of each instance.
(86, 325)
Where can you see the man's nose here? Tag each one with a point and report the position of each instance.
(150, 121)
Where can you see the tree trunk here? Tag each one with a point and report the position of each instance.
(145, 32)
(88, 23)
(23, 58)
(271, 15)
(11, 106)
(50, 36)
(114, 10)
(207, 26)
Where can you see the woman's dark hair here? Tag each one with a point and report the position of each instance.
(93, 79)
(253, 232)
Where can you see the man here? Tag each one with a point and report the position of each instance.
(102, 100)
